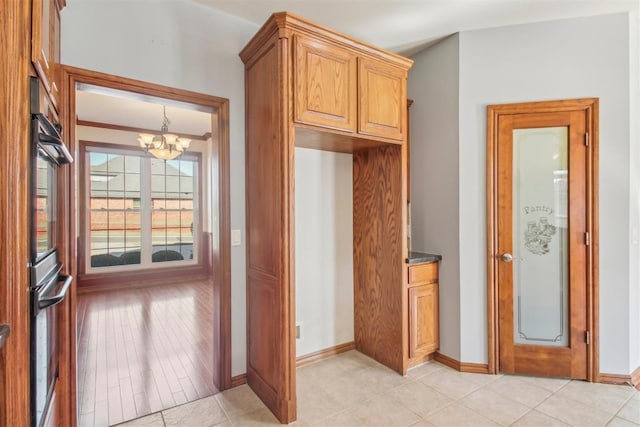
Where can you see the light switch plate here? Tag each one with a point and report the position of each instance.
(236, 238)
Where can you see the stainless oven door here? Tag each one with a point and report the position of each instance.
(51, 291)
(43, 223)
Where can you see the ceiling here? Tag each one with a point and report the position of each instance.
(403, 26)
(407, 26)
(102, 105)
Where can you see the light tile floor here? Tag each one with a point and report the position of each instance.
(353, 390)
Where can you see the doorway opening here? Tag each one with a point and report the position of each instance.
(152, 239)
(542, 238)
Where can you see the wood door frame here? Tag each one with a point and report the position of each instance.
(221, 258)
(494, 112)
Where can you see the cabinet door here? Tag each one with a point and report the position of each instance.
(423, 320)
(382, 100)
(40, 38)
(56, 74)
(45, 44)
(325, 85)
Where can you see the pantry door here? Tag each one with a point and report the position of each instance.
(542, 233)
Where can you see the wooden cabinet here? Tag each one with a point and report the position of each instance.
(423, 320)
(423, 312)
(45, 44)
(383, 100)
(325, 84)
(338, 88)
(309, 86)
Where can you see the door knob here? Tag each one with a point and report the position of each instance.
(506, 257)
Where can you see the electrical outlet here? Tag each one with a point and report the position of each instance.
(298, 328)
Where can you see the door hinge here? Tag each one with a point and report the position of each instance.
(586, 139)
(587, 240)
(587, 337)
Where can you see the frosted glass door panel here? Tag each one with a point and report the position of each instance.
(540, 247)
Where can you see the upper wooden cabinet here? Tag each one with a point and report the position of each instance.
(45, 44)
(337, 84)
(325, 84)
(383, 100)
(335, 88)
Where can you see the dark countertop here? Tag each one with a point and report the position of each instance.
(418, 257)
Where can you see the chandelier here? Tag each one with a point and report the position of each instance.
(166, 146)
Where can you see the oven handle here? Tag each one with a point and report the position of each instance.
(56, 142)
(56, 299)
(52, 137)
(50, 127)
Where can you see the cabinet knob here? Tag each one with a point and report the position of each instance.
(506, 257)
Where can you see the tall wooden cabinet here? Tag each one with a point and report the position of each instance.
(309, 86)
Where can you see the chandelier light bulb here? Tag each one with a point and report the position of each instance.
(166, 146)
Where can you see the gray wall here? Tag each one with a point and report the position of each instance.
(433, 85)
(586, 57)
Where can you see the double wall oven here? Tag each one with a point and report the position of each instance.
(48, 286)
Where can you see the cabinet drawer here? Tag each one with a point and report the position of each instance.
(423, 273)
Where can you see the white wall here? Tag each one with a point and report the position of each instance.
(183, 45)
(433, 85)
(324, 249)
(586, 57)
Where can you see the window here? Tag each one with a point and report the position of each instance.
(142, 212)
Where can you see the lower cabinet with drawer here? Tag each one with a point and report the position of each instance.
(423, 312)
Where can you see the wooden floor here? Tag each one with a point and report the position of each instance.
(143, 350)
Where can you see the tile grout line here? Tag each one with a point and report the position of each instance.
(615, 414)
(622, 407)
(522, 416)
(454, 401)
(420, 417)
(529, 409)
(226, 415)
(553, 393)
